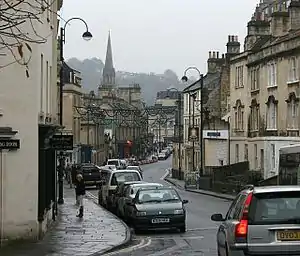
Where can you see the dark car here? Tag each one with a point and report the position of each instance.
(159, 208)
(120, 192)
(91, 174)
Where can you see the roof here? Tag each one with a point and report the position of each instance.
(210, 81)
(270, 189)
(146, 184)
(168, 94)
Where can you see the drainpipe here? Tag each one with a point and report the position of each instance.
(1, 199)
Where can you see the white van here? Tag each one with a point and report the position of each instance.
(115, 162)
(116, 177)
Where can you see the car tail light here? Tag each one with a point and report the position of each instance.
(241, 229)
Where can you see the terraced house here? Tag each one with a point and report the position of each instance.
(264, 93)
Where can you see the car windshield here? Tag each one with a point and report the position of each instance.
(123, 177)
(275, 208)
(113, 162)
(158, 195)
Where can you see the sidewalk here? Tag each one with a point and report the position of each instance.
(180, 184)
(98, 232)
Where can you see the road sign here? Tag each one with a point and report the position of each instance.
(9, 144)
(62, 142)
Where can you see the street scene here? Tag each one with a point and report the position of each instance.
(126, 131)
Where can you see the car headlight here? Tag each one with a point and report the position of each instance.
(180, 211)
(141, 214)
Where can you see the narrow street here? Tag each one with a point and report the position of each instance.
(200, 238)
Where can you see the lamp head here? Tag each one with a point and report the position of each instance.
(87, 36)
(184, 79)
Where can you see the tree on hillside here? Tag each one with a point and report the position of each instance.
(18, 28)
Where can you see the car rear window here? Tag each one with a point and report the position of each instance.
(123, 177)
(275, 208)
(113, 162)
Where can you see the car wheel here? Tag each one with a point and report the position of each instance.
(182, 229)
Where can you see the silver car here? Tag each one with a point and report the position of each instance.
(261, 221)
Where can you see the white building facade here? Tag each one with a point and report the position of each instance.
(27, 103)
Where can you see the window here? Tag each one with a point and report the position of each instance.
(272, 74)
(254, 76)
(292, 115)
(254, 118)
(239, 116)
(293, 76)
(272, 116)
(237, 153)
(273, 156)
(255, 157)
(239, 77)
(186, 102)
(275, 208)
(246, 152)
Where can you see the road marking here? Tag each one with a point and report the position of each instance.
(165, 175)
(175, 237)
(141, 245)
(89, 194)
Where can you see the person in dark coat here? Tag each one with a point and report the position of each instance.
(80, 192)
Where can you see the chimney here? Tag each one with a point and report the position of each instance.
(279, 20)
(294, 14)
(214, 62)
(233, 45)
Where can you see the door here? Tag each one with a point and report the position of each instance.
(262, 159)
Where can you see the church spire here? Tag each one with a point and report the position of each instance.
(109, 74)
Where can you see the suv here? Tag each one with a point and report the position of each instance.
(261, 221)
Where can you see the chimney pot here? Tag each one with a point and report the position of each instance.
(217, 55)
(214, 54)
(223, 55)
(232, 38)
(229, 38)
(236, 39)
(209, 54)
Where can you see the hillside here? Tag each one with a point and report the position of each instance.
(91, 70)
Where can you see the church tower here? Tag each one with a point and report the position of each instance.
(109, 73)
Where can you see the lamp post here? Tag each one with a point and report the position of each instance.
(185, 79)
(89, 111)
(86, 36)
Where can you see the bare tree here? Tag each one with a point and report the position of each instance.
(18, 28)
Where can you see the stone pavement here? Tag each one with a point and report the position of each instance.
(180, 184)
(98, 232)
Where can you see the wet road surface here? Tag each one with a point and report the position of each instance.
(200, 238)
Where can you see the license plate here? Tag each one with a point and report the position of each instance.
(160, 220)
(288, 235)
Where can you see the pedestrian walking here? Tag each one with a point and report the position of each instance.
(80, 192)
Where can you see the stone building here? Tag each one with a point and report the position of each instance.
(265, 88)
(127, 133)
(72, 94)
(28, 113)
(216, 95)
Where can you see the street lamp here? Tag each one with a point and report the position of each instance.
(185, 79)
(86, 36)
(90, 105)
(179, 104)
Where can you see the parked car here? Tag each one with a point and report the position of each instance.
(129, 195)
(115, 162)
(135, 167)
(91, 174)
(158, 208)
(116, 177)
(261, 221)
(119, 192)
(162, 156)
(111, 166)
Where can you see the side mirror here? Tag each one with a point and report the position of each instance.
(217, 217)
(185, 201)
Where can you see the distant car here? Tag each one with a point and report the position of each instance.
(158, 208)
(116, 162)
(162, 156)
(261, 221)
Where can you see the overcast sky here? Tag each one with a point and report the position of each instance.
(155, 35)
